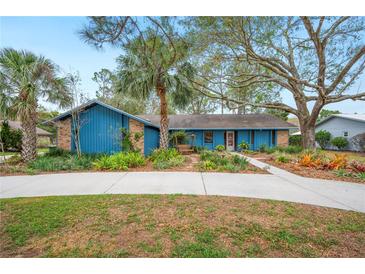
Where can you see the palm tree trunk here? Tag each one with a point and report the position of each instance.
(164, 121)
(29, 136)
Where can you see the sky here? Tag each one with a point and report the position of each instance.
(57, 39)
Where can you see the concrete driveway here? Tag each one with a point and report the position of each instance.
(286, 187)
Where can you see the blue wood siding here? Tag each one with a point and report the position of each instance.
(218, 137)
(151, 139)
(262, 137)
(100, 130)
(242, 135)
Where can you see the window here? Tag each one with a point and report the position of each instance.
(208, 137)
(273, 137)
(252, 137)
(345, 134)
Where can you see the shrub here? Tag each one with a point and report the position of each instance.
(295, 140)
(211, 160)
(309, 160)
(120, 161)
(282, 159)
(166, 158)
(290, 149)
(340, 142)
(220, 148)
(178, 137)
(64, 162)
(207, 165)
(126, 144)
(199, 149)
(338, 162)
(240, 161)
(55, 152)
(263, 148)
(243, 146)
(11, 138)
(323, 138)
(357, 166)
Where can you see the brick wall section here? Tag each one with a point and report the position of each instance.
(282, 138)
(64, 134)
(134, 127)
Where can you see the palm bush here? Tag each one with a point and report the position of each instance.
(120, 161)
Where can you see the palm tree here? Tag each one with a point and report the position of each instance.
(24, 79)
(155, 65)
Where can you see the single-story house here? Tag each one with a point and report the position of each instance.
(100, 130)
(350, 126)
(44, 138)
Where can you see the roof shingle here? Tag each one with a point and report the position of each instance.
(221, 121)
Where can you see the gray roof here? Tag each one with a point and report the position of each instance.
(17, 125)
(355, 117)
(93, 102)
(221, 121)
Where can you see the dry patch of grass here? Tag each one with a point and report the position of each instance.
(175, 226)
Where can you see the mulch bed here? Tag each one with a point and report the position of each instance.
(191, 165)
(305, 171)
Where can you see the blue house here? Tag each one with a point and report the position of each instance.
(100, 127)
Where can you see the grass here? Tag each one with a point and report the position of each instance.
(175, 226)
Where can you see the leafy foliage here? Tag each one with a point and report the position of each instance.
(323, 138)
(357, 166)
(340, 142)
(62, 162)
(120, 161)
(178, 137)
(295, 140)
(220, 148)
(243, 146)
(11, 138)
(166, 158)
(282, 159)
(222, 161)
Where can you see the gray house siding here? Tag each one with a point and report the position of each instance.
(337, 126)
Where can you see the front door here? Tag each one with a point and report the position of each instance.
(230, 140)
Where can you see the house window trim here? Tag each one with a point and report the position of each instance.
(205, 133)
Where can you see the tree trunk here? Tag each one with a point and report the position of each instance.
(308, 135)
(164, 121)
(29, 136)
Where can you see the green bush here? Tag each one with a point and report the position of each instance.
(340, 142)
(120, 161)
(11, 138)
(323, 138)
(214, 160)
(207, 165)
(220, 148)
(55, 152)
(295, 140)
(178, 137)
(289, 149)
(166, 158)
(282, 159)
(263, 148)
(64, 162)
(243, 146)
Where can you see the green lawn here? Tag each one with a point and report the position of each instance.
(175, 226)
(6, 153)
(43, 150)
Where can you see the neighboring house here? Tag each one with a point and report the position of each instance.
(350, 126)
(44, 138)
(101, 129)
